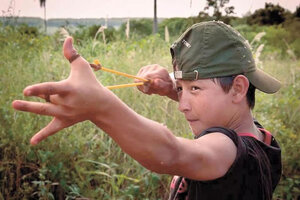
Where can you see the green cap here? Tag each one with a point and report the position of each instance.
(213, 49)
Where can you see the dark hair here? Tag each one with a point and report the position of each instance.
(226, 84)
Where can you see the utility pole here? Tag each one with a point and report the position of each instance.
(45, 18)
(155, 19)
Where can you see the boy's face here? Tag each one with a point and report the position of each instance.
(204, 104)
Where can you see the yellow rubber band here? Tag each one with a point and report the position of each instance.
(96, 62)
(99, 66)
(124, 85)
(123, 74)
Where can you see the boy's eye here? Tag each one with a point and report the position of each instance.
(195, 88)
(178, 88)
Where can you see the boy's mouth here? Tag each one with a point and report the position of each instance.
(192, 120)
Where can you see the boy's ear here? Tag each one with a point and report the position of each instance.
(239, 88)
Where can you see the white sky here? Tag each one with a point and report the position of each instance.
(129, 8)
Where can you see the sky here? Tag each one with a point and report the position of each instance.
(129, 8)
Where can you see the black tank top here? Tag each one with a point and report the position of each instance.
(253, 175)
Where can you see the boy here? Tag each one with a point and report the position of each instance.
(231, 157)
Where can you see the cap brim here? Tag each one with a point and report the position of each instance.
(263, 81)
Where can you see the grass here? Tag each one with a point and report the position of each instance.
(82, 161)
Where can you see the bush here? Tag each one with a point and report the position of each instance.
(28, 30)
(85, 33)
(138, 28)
(176, 26)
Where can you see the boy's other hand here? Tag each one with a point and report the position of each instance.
(160, 81)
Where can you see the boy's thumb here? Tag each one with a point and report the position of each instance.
(68, 49)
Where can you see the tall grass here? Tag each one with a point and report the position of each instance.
(82, 161)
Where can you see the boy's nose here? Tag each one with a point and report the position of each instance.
(184, 104)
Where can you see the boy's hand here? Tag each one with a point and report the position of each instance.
(160, 81)
(69, 101)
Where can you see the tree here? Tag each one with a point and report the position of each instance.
(219, 6)
(43, 4)
(270, 15)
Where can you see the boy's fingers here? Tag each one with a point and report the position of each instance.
(156, 86)
(54, 98)
(161, 87)
(37, 108)
(153, 86)
(47, 88)
(53, 127)
(143, 88)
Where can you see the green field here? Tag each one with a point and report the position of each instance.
(82, 161)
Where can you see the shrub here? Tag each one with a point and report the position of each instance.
(28, 30)
(138, 28)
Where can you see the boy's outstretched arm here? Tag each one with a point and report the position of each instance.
(81, 97)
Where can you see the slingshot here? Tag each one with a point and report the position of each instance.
(97, 66)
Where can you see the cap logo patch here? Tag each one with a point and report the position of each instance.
(188, 45)
(178, 74)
